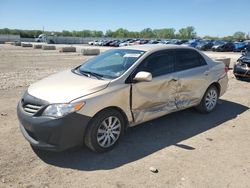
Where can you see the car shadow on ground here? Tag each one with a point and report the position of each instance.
(244, 79)
(147, 138)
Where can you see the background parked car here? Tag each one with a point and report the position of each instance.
(191, 43)
(106, 43)
(242, 67)
(205, 45)
(92, 42)
(220, 46)
(224, 47)
(129, 42)
(153, 42)
(143, 41)
(217, 44)
(115, 43)
(239, 46)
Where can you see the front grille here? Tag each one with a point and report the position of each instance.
(31, 108)
(32, 105)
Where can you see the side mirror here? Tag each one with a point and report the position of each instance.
(143, 76)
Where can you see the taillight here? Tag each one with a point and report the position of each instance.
(226, 69)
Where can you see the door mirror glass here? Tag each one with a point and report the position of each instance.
(143, 76)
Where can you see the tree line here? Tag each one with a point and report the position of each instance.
(165, 33)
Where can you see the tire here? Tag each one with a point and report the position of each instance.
(51, 42)
(209, 100)
(238, 77)
(100, 136)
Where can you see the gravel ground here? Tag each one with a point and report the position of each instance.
(188, 149)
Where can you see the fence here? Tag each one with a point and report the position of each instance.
(9, 38)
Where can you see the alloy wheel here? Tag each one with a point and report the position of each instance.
(109, 131)
(211, 99)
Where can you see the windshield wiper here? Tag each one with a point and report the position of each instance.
(88, 74)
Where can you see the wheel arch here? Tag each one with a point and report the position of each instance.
(217, 85)
(120, 111)
(111, 108)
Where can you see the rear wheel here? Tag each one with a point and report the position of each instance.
(105, 130)
(209, 100)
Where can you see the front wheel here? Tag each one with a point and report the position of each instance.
(209, 100)
(105, 130)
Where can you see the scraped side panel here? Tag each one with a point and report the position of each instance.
(154, 99)
(192, 85)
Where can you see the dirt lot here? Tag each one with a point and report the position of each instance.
(189, 149)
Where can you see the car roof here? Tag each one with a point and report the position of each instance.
(155, 47)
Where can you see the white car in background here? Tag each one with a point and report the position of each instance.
(92, 42)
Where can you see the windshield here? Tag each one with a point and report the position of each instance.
(112, 63)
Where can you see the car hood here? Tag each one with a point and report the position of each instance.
(65, 86)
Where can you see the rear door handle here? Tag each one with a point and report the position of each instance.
(174, 79)
(206, 72)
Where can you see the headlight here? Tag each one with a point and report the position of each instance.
(60, 110)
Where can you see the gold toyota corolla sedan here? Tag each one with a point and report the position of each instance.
(97, 101)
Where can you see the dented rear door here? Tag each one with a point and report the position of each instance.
(193, 74)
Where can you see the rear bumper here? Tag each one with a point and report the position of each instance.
(55, 134)
(223, 84)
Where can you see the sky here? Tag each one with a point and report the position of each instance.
(209, 17)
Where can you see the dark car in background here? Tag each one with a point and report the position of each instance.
(205, 45)
(107, 43)
(143, 41)
(191, 43)
(242, 67)
(153, 42)
(179, 42)
(224, 47)
(115, 43)
(217, 44)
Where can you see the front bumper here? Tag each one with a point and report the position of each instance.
(241, 72)
(55, 134)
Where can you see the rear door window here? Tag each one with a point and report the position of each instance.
(187, 59)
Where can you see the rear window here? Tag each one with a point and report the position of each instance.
(187, 59)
